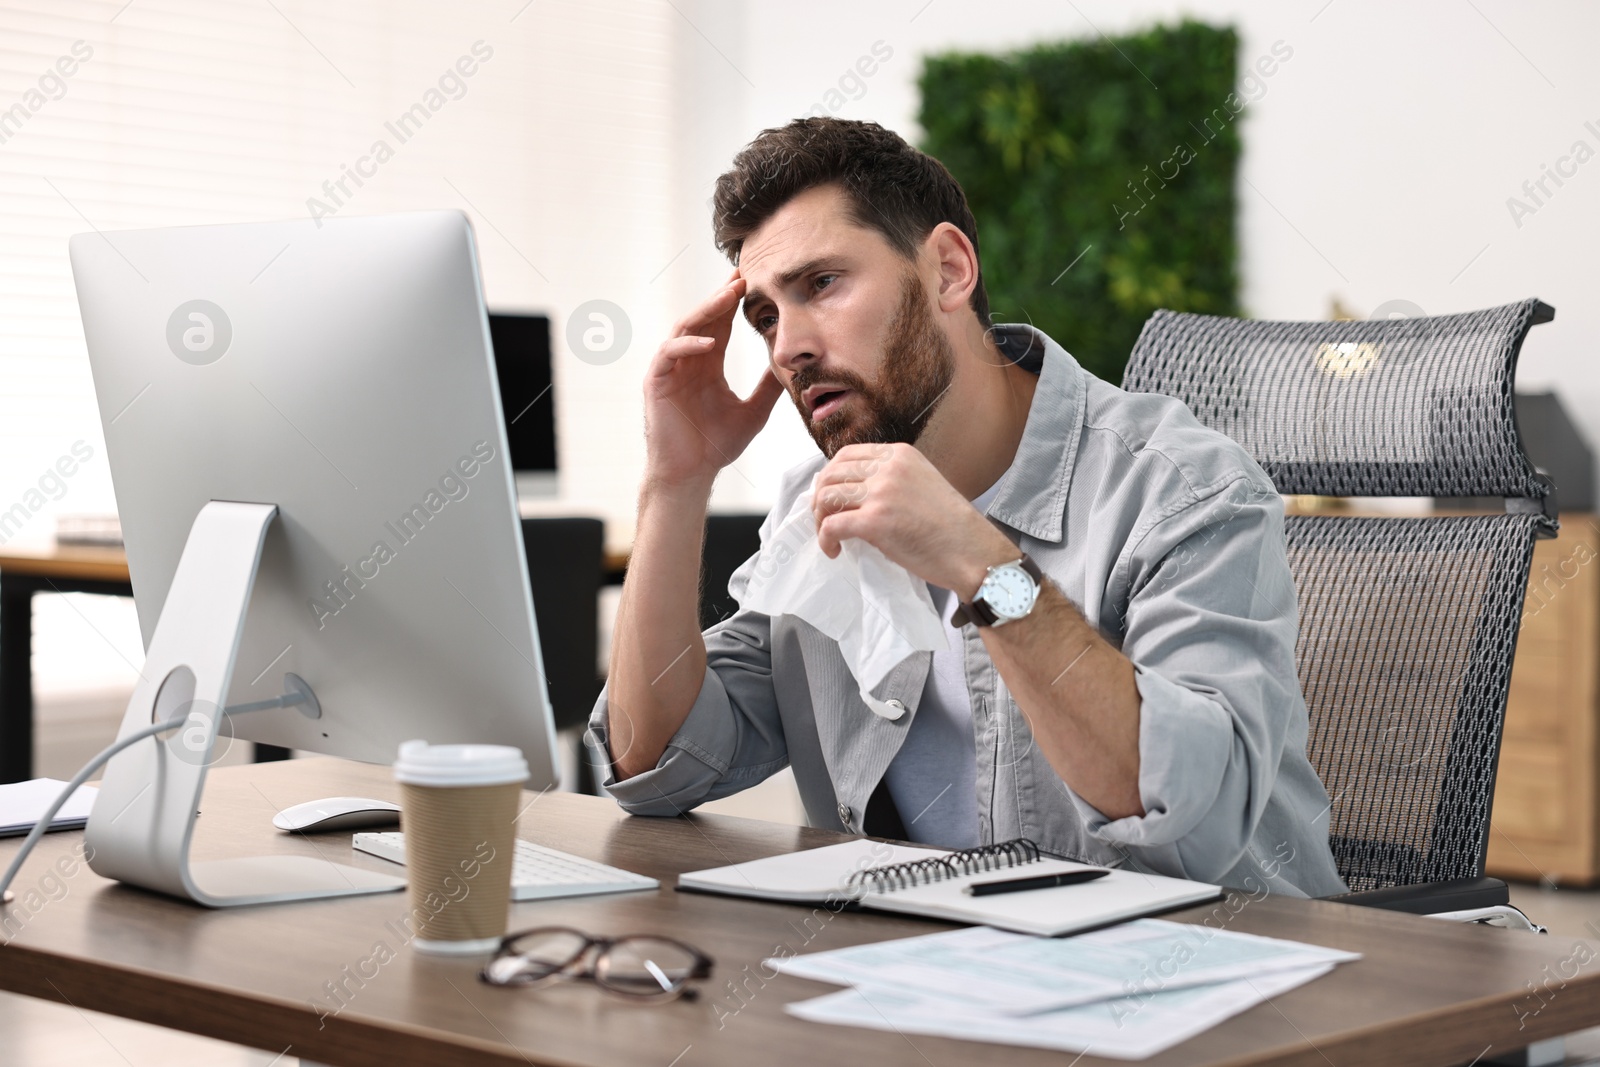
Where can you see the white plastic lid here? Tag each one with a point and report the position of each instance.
(459, 765)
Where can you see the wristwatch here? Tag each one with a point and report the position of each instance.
(1008, 593)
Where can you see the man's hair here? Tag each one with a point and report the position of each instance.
(890, 186)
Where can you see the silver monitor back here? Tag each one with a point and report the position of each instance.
(340, 369)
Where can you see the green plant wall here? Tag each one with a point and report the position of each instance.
(1114, 157)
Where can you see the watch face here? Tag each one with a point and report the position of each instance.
(1010, 591)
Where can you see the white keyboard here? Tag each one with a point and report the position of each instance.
(537, 873)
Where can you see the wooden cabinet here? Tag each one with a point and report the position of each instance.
(1545, 825)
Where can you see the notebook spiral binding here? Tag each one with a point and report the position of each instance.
(938, 868)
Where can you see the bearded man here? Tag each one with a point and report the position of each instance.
(1120, 681)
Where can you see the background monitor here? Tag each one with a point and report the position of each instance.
(527, 398)
(341, 370)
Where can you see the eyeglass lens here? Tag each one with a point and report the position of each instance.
(645, 966)
(636, 966)
(538, 955)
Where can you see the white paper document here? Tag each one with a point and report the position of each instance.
(1014, 974)
(24, 803)
(1129, 1028)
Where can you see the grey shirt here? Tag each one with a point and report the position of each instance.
(1169, 538)
(933, 778)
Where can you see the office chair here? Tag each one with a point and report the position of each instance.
(730, 540)
(564, 561)
(1407, 625)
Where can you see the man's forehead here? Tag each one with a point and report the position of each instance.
(817, 223)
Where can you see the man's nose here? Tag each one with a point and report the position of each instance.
(795, 343)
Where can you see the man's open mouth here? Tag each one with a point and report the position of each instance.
(825, 402)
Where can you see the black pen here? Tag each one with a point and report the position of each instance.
(1047, 881)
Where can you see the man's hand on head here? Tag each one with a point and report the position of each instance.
(891, 497)
(695, 424)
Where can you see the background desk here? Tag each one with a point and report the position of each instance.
(24, 572)
(81, 569)
(1426, 992)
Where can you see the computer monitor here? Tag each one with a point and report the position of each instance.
(303, 426)
(527, 395)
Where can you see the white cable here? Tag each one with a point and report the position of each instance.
(43, 825)
(78, 779)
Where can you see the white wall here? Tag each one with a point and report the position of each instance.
(208, 111)
(1377, 162)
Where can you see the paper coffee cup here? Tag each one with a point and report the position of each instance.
(458, 806)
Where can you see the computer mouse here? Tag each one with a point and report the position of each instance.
(337, 813)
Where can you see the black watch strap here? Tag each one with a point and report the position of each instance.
(979, 613)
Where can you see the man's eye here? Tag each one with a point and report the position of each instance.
(825, 280)
(765, 322)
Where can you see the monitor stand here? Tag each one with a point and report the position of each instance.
(143, 819)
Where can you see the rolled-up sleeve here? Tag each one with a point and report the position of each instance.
(733, 736)
(1210, 628)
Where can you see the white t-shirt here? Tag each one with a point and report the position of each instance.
(934, 777)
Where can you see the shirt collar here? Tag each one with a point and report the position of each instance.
(1032, 495)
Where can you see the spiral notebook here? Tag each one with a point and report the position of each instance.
(930, 882)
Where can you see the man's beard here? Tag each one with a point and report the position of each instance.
(918, 366)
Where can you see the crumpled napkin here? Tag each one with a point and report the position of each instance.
(877, 610)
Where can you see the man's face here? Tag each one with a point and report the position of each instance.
(848, 324)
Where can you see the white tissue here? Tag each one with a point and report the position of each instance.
(876, 609)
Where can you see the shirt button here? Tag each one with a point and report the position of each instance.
(844, 814)
(890, 710)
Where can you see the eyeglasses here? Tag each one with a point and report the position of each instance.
(637, 965)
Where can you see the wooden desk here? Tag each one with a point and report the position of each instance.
(68, 563)
(1426, 992)
(24, 572)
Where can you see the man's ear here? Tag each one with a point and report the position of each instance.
(957, 262)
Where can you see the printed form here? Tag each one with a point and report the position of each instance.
(1125, 992)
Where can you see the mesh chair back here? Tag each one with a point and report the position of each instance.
(1404, 407)
(1408, 626)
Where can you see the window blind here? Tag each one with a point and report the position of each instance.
(550, 123)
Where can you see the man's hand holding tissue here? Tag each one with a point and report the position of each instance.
(893, 498)
(1076, 690)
